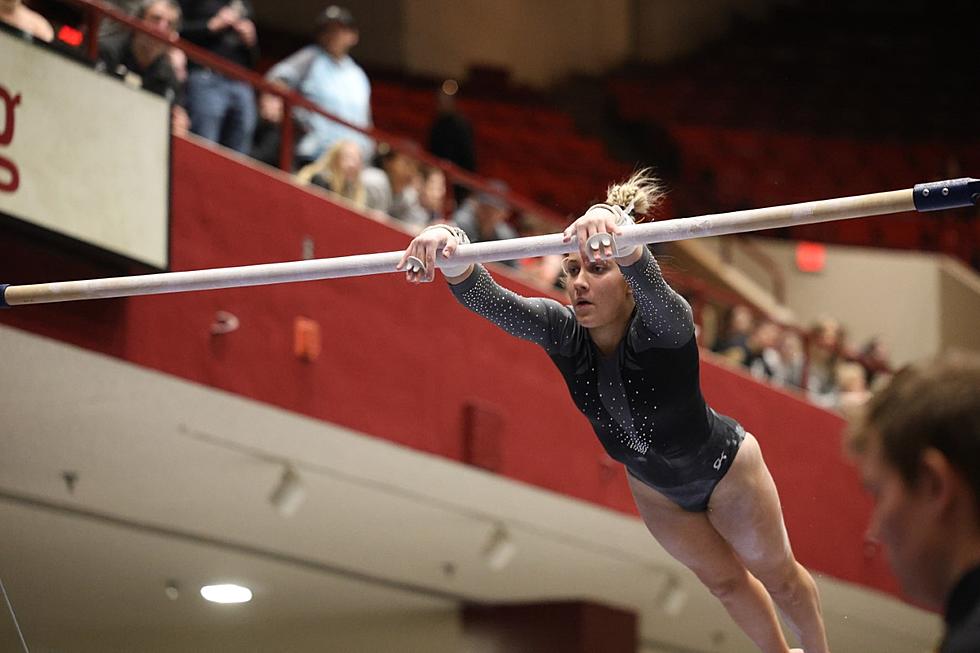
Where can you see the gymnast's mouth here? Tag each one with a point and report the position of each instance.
(582, 302)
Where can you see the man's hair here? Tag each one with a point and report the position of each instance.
(928, 405)
(142, 6)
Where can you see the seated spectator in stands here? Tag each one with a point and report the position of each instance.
(15, 14)
(484, 217)
(325, 74)
(734, 334)
(875, 358)
(339, 171)
(544, 271)
(852, 391)
(793, 358)
(762, 356)
(826, 339)
(432, 193)
(136, 56)
(268, 131)
(221, 109)
(451, 135)
(393, 187)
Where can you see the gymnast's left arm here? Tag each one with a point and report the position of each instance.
(666, 316)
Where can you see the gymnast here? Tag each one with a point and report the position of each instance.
(626, 349)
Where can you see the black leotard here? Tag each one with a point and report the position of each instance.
(644, 401)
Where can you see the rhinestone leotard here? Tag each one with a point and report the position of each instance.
(644, 400)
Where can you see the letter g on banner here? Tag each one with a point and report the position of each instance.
(6, 137)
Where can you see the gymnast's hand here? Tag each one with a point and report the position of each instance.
(596, 231)
(419, 259)
(597, 220)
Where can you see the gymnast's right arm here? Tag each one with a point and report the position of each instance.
(542, 321)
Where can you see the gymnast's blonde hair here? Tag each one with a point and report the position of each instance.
(643, 190)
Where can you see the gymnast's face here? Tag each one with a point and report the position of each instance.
(597, 291)
(905, 522)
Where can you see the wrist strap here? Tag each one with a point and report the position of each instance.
(623, 216)
(456, 232)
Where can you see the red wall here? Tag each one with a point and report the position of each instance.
(402, 363)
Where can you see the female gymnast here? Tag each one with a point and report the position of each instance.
(626, 349)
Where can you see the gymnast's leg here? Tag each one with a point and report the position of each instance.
(745, 510)
(692, 540)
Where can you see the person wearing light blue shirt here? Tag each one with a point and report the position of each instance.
(325, 74)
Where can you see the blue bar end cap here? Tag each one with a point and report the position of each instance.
(3, 292)
(949, 194)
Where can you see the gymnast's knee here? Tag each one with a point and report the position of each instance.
(790, 585)
(726, 587)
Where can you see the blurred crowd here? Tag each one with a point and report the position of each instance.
(388, 183)
(818, 361)
(382, 181)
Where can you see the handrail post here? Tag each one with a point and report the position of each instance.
(286, 136)
(93, 20)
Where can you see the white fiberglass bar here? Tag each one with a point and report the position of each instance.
(655, 232)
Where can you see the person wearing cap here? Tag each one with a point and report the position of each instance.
(325, 74)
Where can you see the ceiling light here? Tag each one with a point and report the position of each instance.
(227, 593)
(289, 493)
(499, 549)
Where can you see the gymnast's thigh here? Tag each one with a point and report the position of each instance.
(687, 536)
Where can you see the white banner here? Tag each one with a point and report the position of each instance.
(83, 154)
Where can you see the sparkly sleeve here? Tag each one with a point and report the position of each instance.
(542, 321)
(665, 316)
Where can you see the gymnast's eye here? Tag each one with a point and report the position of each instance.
(598, 268)
(571, 269)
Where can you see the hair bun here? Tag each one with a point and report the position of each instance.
(642, 189)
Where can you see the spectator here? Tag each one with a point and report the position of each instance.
(917, 446)
(735, 330)
(266, 140)
(136, 55)
(339, 171)
(823, 353)
(221, 109)
(432, 193)
(791, 354)
(762, 356)
(544, 271)
(325, 74)
(15, 14)
(484, 217)
(852, 389)
(451, 135)
(393, 187)
(875, 358)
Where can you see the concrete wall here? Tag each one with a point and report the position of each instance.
(920, 303)
(959, 293)
(540, 42)
(666, 29)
